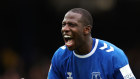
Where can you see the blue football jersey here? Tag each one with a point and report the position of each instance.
(105, 61)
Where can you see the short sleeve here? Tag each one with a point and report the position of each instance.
(54, 72)
(122, 69)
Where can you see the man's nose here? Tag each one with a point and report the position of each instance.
(65, 28)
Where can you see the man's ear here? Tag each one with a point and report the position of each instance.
(87, 29)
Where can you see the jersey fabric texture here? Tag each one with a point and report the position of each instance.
(105, 61)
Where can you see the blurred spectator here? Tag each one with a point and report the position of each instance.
(9, 62)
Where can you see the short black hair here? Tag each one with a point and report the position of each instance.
(86, 16)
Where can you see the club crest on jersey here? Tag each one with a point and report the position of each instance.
(96, 75)
(69, 75)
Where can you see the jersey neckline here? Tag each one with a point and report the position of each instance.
(89, 54)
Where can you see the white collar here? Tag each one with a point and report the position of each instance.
(89, 54)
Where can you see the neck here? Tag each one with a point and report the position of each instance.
(85, 48)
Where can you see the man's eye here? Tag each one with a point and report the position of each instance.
(71, 24)
(63, 25)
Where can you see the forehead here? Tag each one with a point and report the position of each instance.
(71, 16)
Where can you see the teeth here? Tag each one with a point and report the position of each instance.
(67, 36)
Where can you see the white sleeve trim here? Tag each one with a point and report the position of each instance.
(126, 72)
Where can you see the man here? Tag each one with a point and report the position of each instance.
(84, 57)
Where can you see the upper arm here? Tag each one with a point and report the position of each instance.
(122, 69)
(54, 71)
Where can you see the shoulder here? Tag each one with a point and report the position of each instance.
(60, 51)
(107, 47)
(112, 53)
(109, 50)
(61, 54)
(63, 50)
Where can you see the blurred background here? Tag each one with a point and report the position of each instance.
(30, 32)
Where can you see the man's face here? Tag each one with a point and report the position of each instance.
(72, 30)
